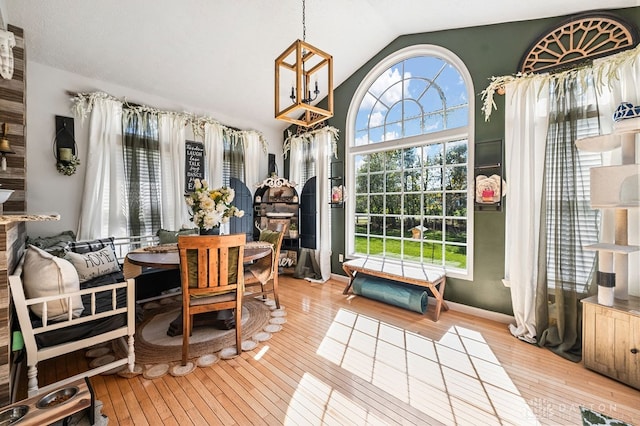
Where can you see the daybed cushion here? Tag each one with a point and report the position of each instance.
(94, 264)
(56, 244)
(48, 275)
(92, 328)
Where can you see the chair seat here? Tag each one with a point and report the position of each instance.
(265, 270)
(217, 298)
(254, 274)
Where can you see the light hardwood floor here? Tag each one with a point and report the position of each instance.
(349, 360)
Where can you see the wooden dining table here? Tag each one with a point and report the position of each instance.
(168, 257)
(155, 257)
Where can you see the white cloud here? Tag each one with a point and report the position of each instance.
(362, 140)
(389, 136)
(386, 80)
(376, 119)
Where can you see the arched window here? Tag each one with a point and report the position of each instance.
(410, 161)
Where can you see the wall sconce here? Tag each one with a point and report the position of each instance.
(5, 147)
(64, 146)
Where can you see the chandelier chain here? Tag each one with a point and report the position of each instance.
(304, 24)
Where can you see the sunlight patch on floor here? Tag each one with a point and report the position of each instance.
(455, 380)
(314, 402)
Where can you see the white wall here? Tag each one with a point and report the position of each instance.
(3, 14)
(48, 191)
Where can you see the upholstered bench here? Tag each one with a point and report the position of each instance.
(62, 309)
(432, 278)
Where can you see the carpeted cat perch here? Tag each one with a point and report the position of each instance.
(392, 292)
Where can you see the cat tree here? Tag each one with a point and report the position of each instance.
(615, 187)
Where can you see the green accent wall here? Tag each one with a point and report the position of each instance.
(487, 51)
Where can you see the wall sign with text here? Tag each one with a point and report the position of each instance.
(194, 164)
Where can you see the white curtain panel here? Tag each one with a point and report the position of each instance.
(526, 122)
(172, 135)
(322, 142)
(104, 204)
(254, 154)
(214, 149)
(295, 163)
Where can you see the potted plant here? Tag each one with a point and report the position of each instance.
(293, 230)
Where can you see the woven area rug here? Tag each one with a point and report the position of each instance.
(158, 354)
(590, 417)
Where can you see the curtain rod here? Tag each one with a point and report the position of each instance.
(135, 104)
(74, 94)
(192, 119)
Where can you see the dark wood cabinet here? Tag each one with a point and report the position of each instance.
(275, 204)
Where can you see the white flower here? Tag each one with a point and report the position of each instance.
(211, 207)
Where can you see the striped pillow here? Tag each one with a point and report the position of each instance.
(89, 246)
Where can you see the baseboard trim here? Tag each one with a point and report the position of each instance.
(482, 313)
(459, 307)
(341, 278)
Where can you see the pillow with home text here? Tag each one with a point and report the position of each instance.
(94, 264)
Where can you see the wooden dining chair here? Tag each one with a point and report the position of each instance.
(212, 280)
(265, 270)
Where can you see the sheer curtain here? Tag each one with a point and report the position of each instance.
(254, 154)
(316, 147)
(526, 125)
(569, 224)
(545, 266)
(214, 149)
(296, 162)
(172, 136)
(322, 143)
(108, 198)
(142, 171)
(103, 210)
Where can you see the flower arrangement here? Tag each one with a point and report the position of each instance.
(211, 207)
(68, 168)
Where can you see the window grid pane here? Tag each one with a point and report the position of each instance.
(411, 202)
(417, 96)
(412, 214)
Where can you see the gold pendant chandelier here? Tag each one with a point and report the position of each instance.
(310, 70)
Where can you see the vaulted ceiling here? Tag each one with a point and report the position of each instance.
(218, 55)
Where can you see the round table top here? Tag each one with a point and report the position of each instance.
(171, 259)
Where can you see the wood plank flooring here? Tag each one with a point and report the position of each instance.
(349, 360)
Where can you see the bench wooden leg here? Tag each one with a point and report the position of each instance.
(439, 295)
(351, 274)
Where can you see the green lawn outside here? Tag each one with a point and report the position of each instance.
(432, 252)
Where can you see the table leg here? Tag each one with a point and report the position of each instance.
(222, 320)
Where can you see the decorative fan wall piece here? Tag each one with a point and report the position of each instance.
(580, 39)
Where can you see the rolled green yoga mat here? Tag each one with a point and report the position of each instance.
(392, 292)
